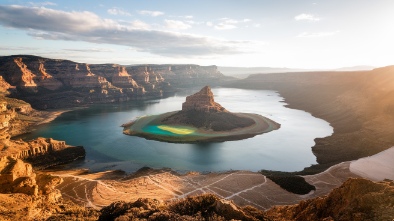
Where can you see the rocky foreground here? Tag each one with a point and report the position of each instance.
(356, 199)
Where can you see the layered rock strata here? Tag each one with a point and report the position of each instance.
(202, 101)
(50, 83)
(42, 152)
(201, 111)
(17, 176)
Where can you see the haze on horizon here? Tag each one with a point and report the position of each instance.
(253, 33)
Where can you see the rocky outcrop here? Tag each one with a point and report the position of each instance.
(4, 86)
(17, 177)
(356, 199)
(41, 152)
(203, 207)
(51, 83)
(201, 111)
(202, 101)
(29, 195)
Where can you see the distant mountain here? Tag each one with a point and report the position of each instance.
(356, 68)
(243, 72)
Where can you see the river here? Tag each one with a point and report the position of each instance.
(98, 129)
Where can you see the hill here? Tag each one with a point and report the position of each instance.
(358, 105)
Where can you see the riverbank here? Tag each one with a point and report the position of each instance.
(242, 187)
(356, 104)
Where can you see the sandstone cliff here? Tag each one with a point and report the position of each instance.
(50, 83)
(356, 199)
(28, 195)
(202, 101)
(201, 111)
(357, 104)
(42, 152)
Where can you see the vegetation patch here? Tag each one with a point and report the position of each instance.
(289, 181)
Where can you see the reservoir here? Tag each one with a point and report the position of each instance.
(98, 129)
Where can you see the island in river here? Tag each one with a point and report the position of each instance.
(200, 120)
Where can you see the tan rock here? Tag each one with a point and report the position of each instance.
(202, 101)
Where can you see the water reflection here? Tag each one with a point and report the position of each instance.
(98, 130)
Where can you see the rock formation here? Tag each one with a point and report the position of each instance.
(201, 111)
(202, 101)
(356, 199)
(49, 83)
(42, 152)
(202, 207)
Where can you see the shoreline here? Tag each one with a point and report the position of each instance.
(51, 115)
(262, 125)
(255, 189)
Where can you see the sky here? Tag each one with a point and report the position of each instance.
(249, 33)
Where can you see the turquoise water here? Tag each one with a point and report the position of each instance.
(154, 129)
(98, 130)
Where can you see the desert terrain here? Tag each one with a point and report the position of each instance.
(358, 105)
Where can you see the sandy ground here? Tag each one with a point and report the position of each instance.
(243, 187)
(377, 167)
(49, 116)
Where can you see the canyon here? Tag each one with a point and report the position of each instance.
(52, 83)
(343, 187)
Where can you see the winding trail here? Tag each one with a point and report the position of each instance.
(242, 187)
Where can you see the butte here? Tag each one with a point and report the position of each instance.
(200, 120)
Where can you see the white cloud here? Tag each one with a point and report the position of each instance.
(89, 50)
(151, 13)
(306, 17)
(38, 4)
(223, 26)
(139, 24)
(316, 34)
(228, 23)
(174, 24)
(44, 23)
(209, 24)
(11, 48)
(117, 11)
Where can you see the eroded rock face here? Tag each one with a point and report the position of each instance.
(52, 83)
(17, 177)
(202, 207)
(202, 101)
(356, 199)
(42, 152)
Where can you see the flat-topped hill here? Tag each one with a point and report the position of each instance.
(200, 120)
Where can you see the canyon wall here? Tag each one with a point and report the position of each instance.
(41, 152)
(359, 105)
(52, 83)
